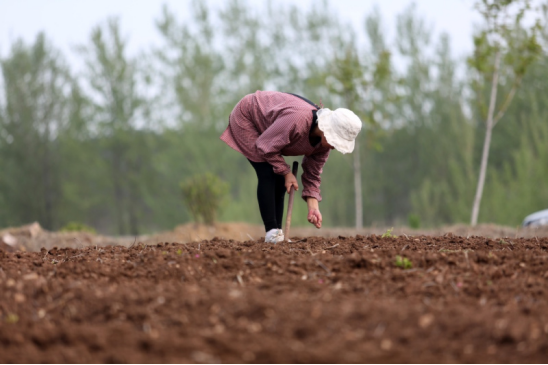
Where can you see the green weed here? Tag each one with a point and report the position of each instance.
(403, 262)
(388, 234)
(12, 318)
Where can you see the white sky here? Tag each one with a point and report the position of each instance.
(69, 22)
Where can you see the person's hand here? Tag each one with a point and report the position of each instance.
(291, 180)
(315, 217)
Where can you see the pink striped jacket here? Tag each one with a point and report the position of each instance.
(267, 125)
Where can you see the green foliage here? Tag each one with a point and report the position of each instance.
(388, 234)
(414, 221)
(77, 227)
(108, 146)
(32, 123)
(204, 196)
(504, 35)
(119, 119)
(403, 262)
(504, 50)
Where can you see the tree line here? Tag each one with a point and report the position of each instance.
(109, 146)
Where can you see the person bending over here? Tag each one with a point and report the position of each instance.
(267, 125)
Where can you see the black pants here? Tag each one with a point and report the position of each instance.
(270, 194)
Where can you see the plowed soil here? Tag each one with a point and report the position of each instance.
(327, 300)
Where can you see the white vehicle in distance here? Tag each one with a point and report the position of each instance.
(536, 219)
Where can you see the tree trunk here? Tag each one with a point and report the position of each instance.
(118, 192)
(132, 210)
(48, 191)
(358, 186)
(486, 143)
(47, 187)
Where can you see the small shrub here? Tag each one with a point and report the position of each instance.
(403, 262)
(388, 234)
(77, 227)
(204, 195)
(414, 221)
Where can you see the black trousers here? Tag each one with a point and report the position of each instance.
(270, 194)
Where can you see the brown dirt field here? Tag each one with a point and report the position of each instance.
(191, 232)
(32, 237)
(318, 300)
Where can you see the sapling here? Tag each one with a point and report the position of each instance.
(204, 196)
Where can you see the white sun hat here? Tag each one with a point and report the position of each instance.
(340, 128)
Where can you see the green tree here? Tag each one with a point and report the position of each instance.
(120, 121)
(504, 49)
(33, 118)
(442, 196)
(517, 185)
(354, 80)
(191, 67)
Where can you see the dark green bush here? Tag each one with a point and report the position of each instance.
(204, 196)
(414, 221)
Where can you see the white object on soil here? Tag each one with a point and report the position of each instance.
(275, 235)
(8, 239)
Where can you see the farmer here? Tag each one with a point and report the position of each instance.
(267, 125)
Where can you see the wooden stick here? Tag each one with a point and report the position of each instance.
(290, 203)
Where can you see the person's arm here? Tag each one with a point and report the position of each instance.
(311, 177)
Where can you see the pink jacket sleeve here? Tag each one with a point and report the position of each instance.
(274, 139)
(312, 170)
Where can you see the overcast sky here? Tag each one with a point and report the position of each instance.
(69, 22)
